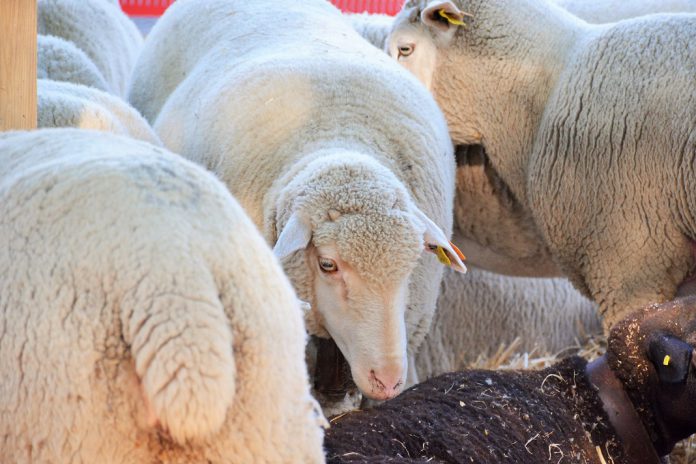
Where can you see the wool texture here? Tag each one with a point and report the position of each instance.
(101, 30)
(561, 108)
(306, 119)
(143, 317)
(65, 104)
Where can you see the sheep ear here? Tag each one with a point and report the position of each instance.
(443, 16)
(671, 358)
(295, 236)
(436, 242)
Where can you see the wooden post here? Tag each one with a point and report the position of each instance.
(17, 64)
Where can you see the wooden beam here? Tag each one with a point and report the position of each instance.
(17, 64)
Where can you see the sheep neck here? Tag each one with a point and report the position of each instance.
(622, 414)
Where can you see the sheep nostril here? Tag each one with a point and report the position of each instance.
(375, 381)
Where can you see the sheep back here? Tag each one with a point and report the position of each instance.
(483, 417)
(65, 104)
(60, 60)
(98, 28)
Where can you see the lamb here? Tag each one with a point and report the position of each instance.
(64, 104)
(100, 29)
(61, 60)
(563, 134)
(144, 319)
(629, 406)
(478, 313)
(609, 11)
(349, 208)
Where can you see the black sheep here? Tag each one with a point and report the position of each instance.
(628, 407)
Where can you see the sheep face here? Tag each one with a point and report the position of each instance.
(358, 237)
(418, 31)
(653, 353)
(365, 318)
(413, 47)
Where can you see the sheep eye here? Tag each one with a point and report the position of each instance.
(327, 265)
(405, 50)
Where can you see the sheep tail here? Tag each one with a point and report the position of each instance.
(182, 348)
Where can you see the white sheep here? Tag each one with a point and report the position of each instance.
(480, 312)
(609, 11)
(563, 109)
(144, 319)
(339, 156)
(64, 104)
(372, 27)
(60, 60)
(98, 28)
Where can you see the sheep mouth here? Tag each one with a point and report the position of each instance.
(332, 378)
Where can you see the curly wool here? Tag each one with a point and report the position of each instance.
(483, 417)
(257, 107)
(374, 210)
(144, 310)
(562, 108)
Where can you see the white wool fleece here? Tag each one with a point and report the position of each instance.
(98, 28)
(609, 11)
(482, 311)
(590, 130)
(258, 105)
(60, 60)
(143, 317)
(64, 104)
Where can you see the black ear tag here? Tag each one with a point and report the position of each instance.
(671, 358)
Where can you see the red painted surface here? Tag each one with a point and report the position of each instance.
(157, 7)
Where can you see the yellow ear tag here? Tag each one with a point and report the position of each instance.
(451, 19)
(665, 362)
(442, 256)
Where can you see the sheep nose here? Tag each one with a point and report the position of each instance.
(386, 383)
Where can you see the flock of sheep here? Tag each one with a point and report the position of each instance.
(228, 232)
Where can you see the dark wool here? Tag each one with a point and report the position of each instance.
(548, 416)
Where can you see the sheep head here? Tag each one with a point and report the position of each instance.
(357, 236)
(652, 352)
(417, 32)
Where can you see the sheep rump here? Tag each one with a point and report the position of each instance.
(144, 309)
